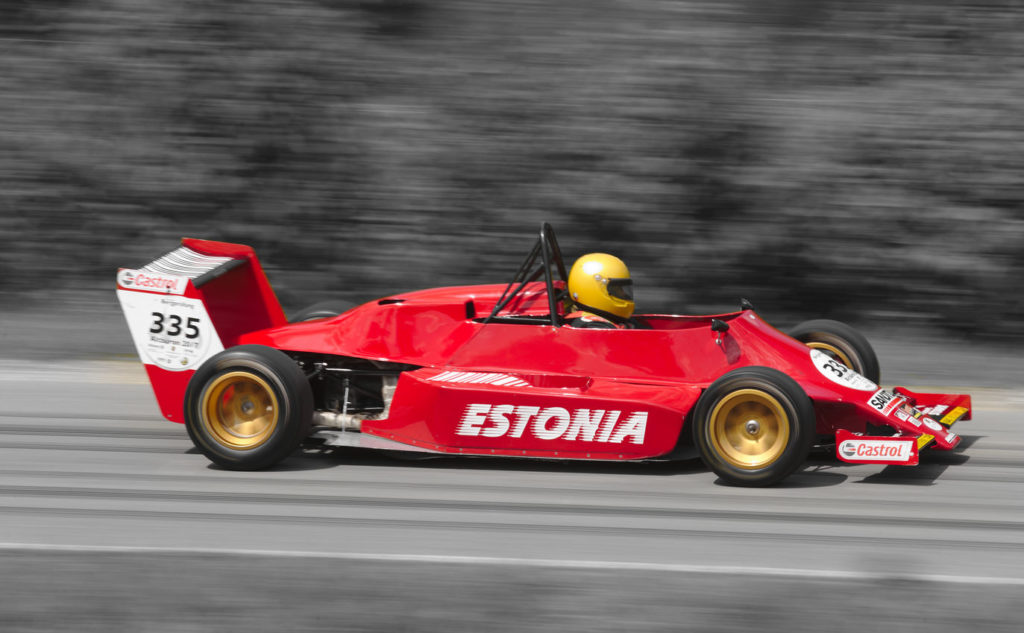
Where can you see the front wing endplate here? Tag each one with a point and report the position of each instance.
(866, 449)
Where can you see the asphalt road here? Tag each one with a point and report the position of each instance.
(109, 520)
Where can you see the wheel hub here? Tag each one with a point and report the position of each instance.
(240, 409)
(749, 428)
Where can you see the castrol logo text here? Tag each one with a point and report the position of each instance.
(876, 450)
(141, 280)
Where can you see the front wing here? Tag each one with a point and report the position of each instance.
(922, 420)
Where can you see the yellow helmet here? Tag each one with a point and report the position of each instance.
(600, 280)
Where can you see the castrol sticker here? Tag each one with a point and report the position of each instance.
(151, 282)
(171, 332)
(857, 449)
(839, 373)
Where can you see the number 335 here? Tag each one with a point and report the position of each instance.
(173, 325)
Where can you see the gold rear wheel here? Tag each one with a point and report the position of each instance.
(749, 429)
(248, 407)
(240, 410)
(833, 352)
(842, 343)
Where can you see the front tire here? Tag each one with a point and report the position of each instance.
(841, 342)
(754, 426)
(248, 407)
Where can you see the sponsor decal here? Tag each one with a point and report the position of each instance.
(152, 282)
(876, 450)
(943, 437)
(839, 373)
(935, 411)
(886, 402)
(932, 424)
(171, 332)
(953, 416)
(479, 378)
(553, 423)
(909, 414)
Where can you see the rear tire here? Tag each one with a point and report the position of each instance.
(248, 407)
(841, 342)
(754, 426)
(322, 310)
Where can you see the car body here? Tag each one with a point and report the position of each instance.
(494, 369)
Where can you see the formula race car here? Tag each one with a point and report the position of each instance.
(498, 369)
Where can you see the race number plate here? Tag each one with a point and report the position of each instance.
(170, 331)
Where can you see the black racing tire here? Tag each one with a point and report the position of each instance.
(248, 407)
(841, 342)
(322, 310)
(754, 426)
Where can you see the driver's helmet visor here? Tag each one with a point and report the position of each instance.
(621, 289)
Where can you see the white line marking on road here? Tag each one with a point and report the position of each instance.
(825, 574)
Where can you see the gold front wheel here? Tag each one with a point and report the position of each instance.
(240, 410)
(754, 426)
(749, 428)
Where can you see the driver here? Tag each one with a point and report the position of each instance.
(599, 284)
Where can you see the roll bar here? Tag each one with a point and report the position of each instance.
(547, 249)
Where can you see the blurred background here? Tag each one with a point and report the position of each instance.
(857, 160)
(852, 159)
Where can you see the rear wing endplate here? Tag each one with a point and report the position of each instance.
(189, 304)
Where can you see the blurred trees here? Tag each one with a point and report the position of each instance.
(824, 158)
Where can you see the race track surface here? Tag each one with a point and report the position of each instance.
(110, 520)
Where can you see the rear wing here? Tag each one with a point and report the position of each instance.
(184, 307)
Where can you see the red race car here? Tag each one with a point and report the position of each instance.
(509, 369)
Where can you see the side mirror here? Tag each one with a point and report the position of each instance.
(719, 326)
(746, 305)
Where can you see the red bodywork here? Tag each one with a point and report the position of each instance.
(537, 389)
(661, 371)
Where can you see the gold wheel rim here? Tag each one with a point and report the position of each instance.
(240, 410)
(833, 352)
(749, 429)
